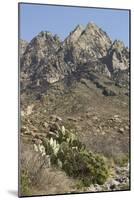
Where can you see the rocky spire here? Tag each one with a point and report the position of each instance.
(74, 35)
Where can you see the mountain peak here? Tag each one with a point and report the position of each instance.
(75, 34)
(45, 34)
(91, 39)
(79, 27)
(117, 44)
(92, 25)
(52, 60)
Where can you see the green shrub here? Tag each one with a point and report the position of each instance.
(75, 160)
(86, 166)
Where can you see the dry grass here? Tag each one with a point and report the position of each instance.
(53, 181)
(39, 178)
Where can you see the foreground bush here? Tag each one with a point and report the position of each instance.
(69, 154)
(90, 168)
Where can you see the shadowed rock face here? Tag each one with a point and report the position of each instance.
(118, 56)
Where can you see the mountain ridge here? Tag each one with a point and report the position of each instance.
(47, 59)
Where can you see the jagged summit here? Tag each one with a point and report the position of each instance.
(47, 59)
(92, 25)
(118, 44)
(78, 28)
(75, 34)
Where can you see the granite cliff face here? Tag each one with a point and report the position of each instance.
(74, 97)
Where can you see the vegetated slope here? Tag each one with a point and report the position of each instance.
(81, 84)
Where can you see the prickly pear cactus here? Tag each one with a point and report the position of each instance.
(68, 153)
(55, 146)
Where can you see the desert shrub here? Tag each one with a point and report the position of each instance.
(69, 154)
(88, 167)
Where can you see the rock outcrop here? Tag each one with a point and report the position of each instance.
(22, 47)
